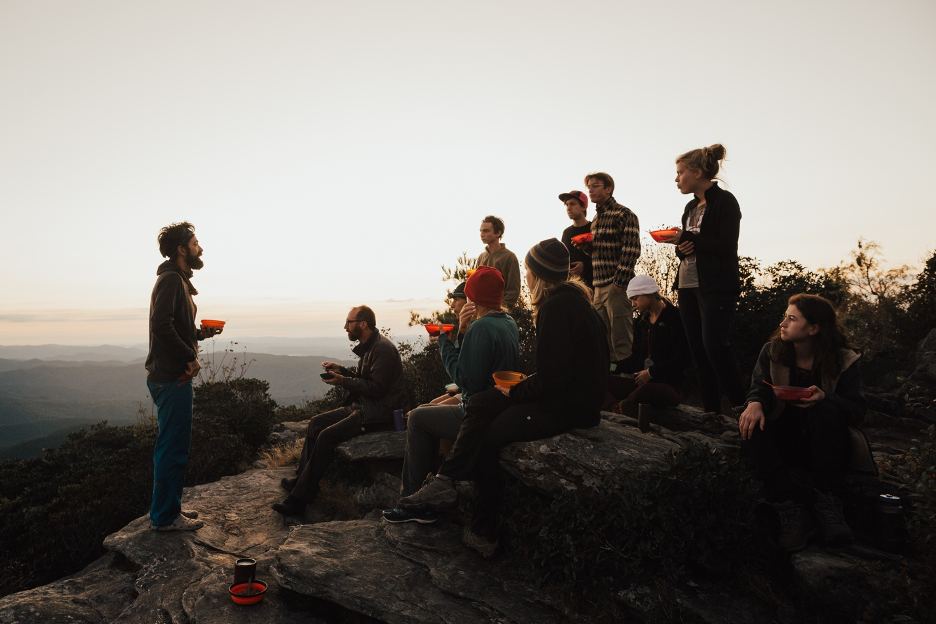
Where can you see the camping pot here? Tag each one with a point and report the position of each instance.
(245, 570)
(891, 531)
(643, 417)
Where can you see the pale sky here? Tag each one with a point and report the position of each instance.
(335, 153)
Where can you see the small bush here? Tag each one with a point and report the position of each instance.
(55, 510)
(907, 585)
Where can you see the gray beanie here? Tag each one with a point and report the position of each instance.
(549, 260)
(642, 285)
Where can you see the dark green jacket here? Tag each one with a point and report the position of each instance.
(173, 337)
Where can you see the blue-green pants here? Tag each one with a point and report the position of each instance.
(170, 457)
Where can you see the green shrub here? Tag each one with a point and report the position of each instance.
(921, 302)
(907, 584)
(763, 300)
(695, 513)
(240, 407)
(55, 510)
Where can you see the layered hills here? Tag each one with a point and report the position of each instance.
(43, 398)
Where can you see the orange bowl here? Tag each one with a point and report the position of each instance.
(791, 393)
(433, 328)
(212, 323)
(582, 238)
(506, 379)
(239, 593)
(658, 235)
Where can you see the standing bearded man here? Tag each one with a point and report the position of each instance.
(171, 364)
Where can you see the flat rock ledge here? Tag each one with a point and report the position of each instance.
(405, 573)
(387, 573)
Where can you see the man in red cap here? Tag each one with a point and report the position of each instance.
(488, 341)
(576, 204)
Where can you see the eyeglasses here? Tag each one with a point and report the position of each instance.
(349, 321)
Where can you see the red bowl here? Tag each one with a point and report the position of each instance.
(658, 235)
(433, 328)
(791, 393)
(239, 593)
(582, 238)
(506, 379)
(212, 323)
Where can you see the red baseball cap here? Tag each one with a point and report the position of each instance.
(579, 195)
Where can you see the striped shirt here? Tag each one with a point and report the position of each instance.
(615, 244)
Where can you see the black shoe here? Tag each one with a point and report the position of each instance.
(438, 492)
(828, 511)
(796, 526)
(292, 506)
(289, 484)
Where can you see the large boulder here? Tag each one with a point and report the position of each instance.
(405, 573)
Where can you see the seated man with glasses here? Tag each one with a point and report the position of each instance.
(376, 389)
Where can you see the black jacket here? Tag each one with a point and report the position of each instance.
(665, 343)
(842, 390)
(572, 358)
(716, 244)
(378, 383)
(173, 337)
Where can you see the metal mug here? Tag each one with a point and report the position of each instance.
(245, 570)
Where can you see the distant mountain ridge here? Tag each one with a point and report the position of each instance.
(41, 401)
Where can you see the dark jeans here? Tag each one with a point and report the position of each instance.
(326, 431)
(173, 401)
(814, 440)
(491, 422)
(652, 393)
(706, 318)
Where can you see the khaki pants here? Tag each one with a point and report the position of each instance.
(615, 310)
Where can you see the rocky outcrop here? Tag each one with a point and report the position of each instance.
(317, 566)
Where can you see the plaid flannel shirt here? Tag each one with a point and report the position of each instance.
(615, 244)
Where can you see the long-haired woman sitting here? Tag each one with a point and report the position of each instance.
(566, 392)
(800, 449)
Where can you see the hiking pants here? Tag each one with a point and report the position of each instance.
(616, 311)
(426, 425)
(173, 401)
(326, 431)
(490, 422)
(706, 318)
(813, 440)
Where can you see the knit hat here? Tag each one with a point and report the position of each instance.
(486, 287)
(458, 293)
(549, 260)
(642, 285)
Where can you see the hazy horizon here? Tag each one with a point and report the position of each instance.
(332, 154)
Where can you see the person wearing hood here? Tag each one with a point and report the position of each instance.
(171, 364)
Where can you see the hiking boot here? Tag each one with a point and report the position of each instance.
(181, 523)
(292, 506)
(796, 526)
(437, 492)
(477, 543)
(397, 516)
(828, 510)
(289, 484)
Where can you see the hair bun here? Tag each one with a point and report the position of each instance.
(718, 151)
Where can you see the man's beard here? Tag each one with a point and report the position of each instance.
(194, 262)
